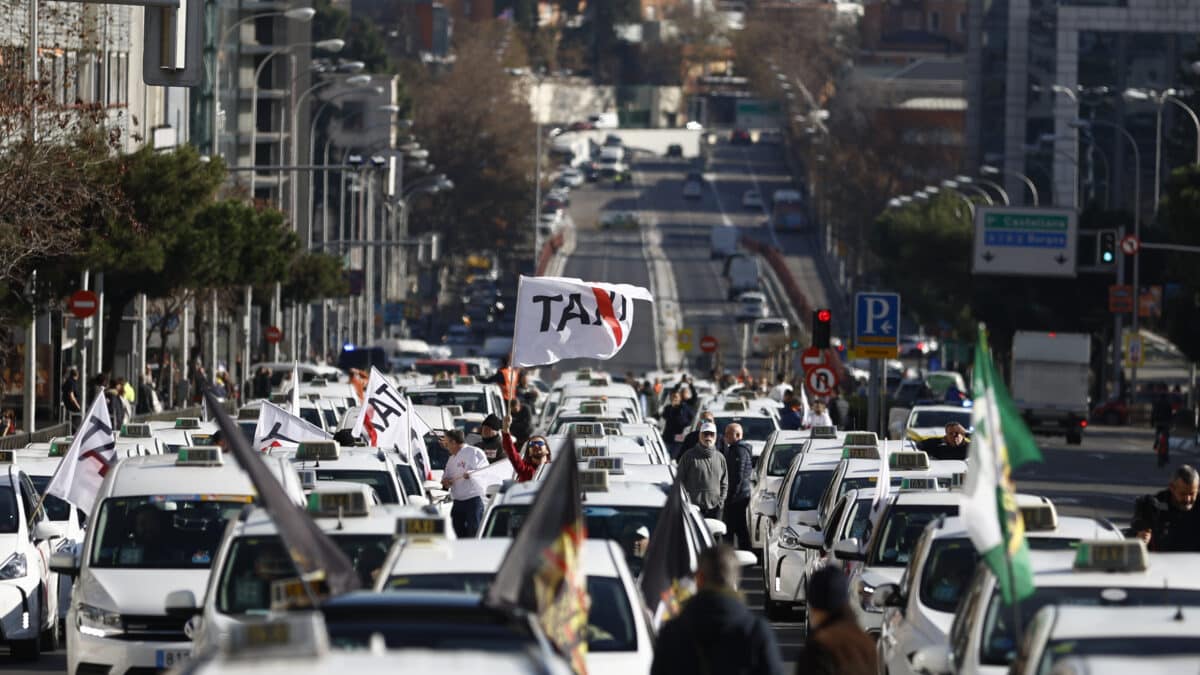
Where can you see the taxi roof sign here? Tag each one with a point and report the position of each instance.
(587, 430)
(199, 455)
(338, 504)
(295, 593)
(280, 398)
(7, 456)
(861, 438)
(135, 430)
(421, 528)
(583, 374)
(59, 446)
(246, 414)
(317, 382)
(593, 408)
(444, 384)
(591, 480)
(736, 406)
(922, 484)
(613, 465)
(187, 422)
(1121, 555)
(1040, 517)
(464, 380)
(318, 450)
(824, 432)
(585, 452)
(201, 439)
(860, 452)
(908, 460)
(296, 634)
(454, 410)
(599, 382)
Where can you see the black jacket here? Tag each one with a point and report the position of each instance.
(1161, 413)
(739, 460)
(492, 447)
(938, 448)
(521, 425)
(675, 420)
(1171, 529)
(716, 634)
(838, 647)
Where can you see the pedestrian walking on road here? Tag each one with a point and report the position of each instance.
(792, 417)
(1161, 415)
(836, 645)
(693, 437)
(676, 417)
(739, 462)
(704, 475)
(458, 477)
(715, 633)
(1167, 520)
(70, 392)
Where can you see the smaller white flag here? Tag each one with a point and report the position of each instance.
(295, 388)
(559, 318)
(91, 455)
(495, 474)
(883, 486)
(279, 428)
(388, 421)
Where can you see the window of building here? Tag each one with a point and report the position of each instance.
(962, 22)
(935, 22)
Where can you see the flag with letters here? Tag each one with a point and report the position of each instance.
(559, 318)
(279, 428)
(386, 420)
(92, 453)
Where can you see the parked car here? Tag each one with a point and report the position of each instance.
(571, 176)
(751, 306)
(616, 220)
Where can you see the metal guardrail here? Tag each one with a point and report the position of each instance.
(21, 439)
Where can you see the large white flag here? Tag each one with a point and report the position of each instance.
(279, 428)
(386, 419)
(560, 318)
(91, 455)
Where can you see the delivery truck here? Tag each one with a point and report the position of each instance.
(1050, 381)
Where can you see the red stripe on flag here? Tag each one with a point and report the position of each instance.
(605, 308)
(370, 428)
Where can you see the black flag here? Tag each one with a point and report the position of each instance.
(666, 579)
(542, 572)
(313, 552)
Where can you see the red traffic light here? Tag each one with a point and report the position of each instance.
(824, 315)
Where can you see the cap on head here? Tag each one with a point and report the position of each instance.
(708, 428)
(493, 422)
(642, 533)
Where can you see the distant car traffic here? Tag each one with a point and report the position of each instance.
(752, 200)
(751, 306)
(616, 220)
(692, 190)
(740, 137)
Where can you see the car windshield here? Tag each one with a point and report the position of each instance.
(618, 523)
(611, 626)
(408, 480)
(10, 519)
(753, 428)
(1116, 646)
(862, 483)
(770, 328)
(254, 563)
(902, 529)
(438, 368)
(384, 486)
(312, 416)
(162, 531)
(858, 527)
(940, 418)
(807, 488)
(471, 402)
(781, 458)
(56, 509)
(947, 571)
(482, 630)
(997, 647)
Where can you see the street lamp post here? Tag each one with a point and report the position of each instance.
(989, 170)
(995, 186)
(969, 183)
(1137, 233)
(296, 14)
(1161, 99)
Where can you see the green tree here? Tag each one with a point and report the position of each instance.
(314, 276)
(1179, 213)
(364, 42)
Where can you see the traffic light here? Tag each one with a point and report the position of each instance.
(1106, 247)
(821, 320)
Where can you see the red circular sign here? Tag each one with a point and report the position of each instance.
(709, 344)
(273, 335)
(1130, 245)
(813, 357)
(83, 304)
(821, 380)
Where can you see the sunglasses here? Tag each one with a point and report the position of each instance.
(537, 444)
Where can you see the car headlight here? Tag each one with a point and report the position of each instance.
(98, 622)
(865, 593)
(789, 539)
(15, 567)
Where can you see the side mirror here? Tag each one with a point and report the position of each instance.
(887, 595)
(746, 558)
(65, 562)
(48, 529)
(931, 660)
(848, 549)
(809, 519)
(812, 540)
(181, 604)
(417, 500)
(717, 527)
(765, 508)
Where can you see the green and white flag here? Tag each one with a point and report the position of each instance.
(1000, 443)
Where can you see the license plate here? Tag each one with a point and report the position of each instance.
(169, 658)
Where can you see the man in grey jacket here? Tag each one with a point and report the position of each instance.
(704, 474)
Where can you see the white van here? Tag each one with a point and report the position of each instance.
(742, 273)
(723, 241)
(403, 353)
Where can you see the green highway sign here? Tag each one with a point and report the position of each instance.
(1038, 242)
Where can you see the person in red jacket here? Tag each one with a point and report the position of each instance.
(537, 453)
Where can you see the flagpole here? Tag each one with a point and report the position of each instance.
(1018, 633)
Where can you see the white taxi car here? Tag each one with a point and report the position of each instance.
(926, 421)
(619, 638)
(251, 557)
(158, 523)
(28, 587)
(476, 400)
(780, 450)
(919, 609)
(1114, 574)
(375, 467)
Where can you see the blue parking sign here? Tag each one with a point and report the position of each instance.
(877, 325)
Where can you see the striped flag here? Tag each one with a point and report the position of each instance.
(1001, 442)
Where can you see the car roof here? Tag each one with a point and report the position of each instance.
(381, 520)
(348, 458)
(1164, 570)
(1075, 622)
(158, 475)
(1069, 527)
(619, 493)
(474, 556)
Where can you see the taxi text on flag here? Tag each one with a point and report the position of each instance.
(386, 421)
(312, 551)
(666, 580)
(279, 428)
(1000, 443)
(542, 572)
(560, 318)
(91, 455)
